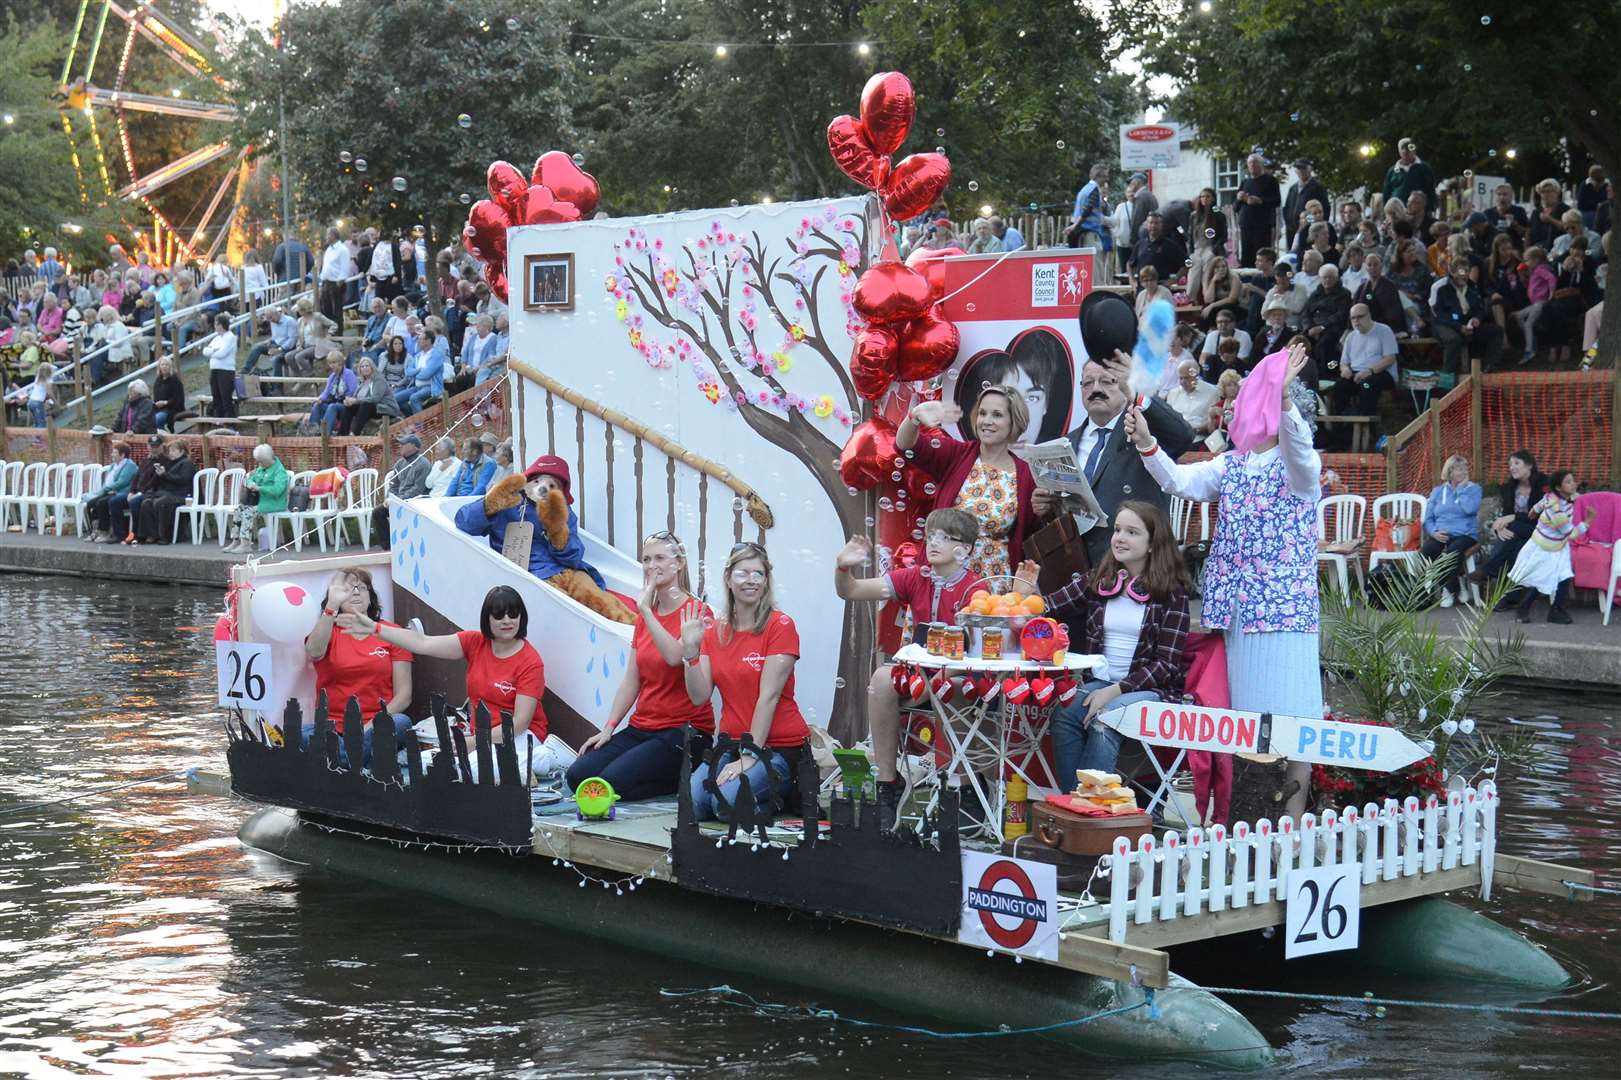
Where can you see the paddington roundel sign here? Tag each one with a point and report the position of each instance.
(1012, 913)
(1150, 133)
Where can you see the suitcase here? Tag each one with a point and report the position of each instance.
(1079, 834)
(1060, 550)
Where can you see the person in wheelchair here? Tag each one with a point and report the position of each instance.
(932, 594)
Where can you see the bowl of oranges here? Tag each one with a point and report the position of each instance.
(998, 604)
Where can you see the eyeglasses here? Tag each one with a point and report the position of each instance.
(748, 545)
(748, 575)
(663, 534)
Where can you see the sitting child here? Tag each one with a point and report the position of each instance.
(934, 594)
(1543, 565)
(556, 555)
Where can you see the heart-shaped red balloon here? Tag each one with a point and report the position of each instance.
(508, 188)
(569, 183)
(915, 184)
(927, 261)
(847, 142)
(891, 292)
(872, 362)
(868, 456)
(486, 232)
(887, 108)
(543, 208)
(928, 347)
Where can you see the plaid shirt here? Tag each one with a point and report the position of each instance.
(1159, 664)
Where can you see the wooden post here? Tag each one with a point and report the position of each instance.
(157, 333)
(50, 437)
(388, 448)
(1477, 421)
(208, 452)
(1390, 465)
(79, 386)
(326, 444)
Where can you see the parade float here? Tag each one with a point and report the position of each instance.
(735, 374)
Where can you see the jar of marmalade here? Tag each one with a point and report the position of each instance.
(934, 644)
(990, 643)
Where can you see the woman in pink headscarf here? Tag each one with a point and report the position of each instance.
(1261, 576)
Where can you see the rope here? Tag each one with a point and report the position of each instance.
(786, 1011)
(165, 778)
(1517, 1010)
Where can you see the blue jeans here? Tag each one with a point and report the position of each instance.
(189, 329)
(255, 353)
(327, 414)
(160, 419)
(402, 724)
(1077, 745)
(703, 803)
(36, 413)
(415, 399)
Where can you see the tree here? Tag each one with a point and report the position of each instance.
(389, 84)
(744, 309)
(1322, 79)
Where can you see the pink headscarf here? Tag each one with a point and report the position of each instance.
(1259, 405)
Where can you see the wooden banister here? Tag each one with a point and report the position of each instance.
(759, 511)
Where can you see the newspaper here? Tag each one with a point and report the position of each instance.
(1056, 469)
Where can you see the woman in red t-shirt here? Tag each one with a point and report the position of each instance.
(504, 672)
(748, 655)
(642, 759)
(351, 663)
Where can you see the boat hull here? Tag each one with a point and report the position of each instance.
(946, 983)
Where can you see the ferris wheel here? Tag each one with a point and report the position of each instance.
(139, 172)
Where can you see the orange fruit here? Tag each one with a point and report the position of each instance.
(1034, 605)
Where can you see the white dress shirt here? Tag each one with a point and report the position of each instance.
(335, 262)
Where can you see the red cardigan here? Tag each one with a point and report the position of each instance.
(950, 463)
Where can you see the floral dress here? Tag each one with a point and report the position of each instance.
(991, 495)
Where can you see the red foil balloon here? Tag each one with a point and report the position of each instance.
(887, 108)
(872, 362)
(847, 141)
(891, 292)
(928, 346)
(486, 237)
(927, 261)
(869, 456)
(569, 183)
(508, 188)
(915, 184)
(541, 208)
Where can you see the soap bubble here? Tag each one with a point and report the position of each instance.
(895, 477)
(737, 505)
(1034, 207)
(578, 159)
(838, 683)
(939, 149)
(973, 185)
(1060, 144)
(885, 505)
(1210, 234)
(1468, 68)
(464, 198)
(734, 202)
(345, 156)
(1485, 20)
(939, 133)
(871, 521)
(1294, 117)
(476, 419)
(512, 25)
(1491, 153)
(399, 183)
(464, 121)
(360, 164)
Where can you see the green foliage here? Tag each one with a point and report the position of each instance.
(37, 189)
(1396, 667)
(386, 82)
(1324, 77)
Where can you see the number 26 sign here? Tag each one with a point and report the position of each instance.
(244, 675)
(1323, 909)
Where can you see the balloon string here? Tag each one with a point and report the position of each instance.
(975, 280)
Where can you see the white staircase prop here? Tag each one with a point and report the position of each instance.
(1186, 874)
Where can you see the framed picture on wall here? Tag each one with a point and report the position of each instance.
(548, 282)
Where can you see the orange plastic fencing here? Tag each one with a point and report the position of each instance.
(1566, 419)
(484, 408)
(221, 451)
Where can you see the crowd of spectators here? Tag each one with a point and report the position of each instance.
(431, 330)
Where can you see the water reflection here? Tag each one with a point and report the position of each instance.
(138, 939)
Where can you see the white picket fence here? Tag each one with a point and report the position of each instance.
(1209, 871)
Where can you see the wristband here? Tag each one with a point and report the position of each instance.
(1151, 451)
(329, 613)
(692, 661)
(841, 569)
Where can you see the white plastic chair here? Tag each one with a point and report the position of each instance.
(1395, 507)
(29, 485)
(92, 478)
(1606, 599)
(359, 500)
(199, 508)
(11, 478)
(274, 521)
(227, 497)
(1180, 512)
(53, 485)
(1339, 547)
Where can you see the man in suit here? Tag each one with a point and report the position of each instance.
(1113, 467)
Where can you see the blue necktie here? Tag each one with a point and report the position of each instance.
(1100, 437)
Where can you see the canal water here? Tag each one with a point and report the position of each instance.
(137, 938)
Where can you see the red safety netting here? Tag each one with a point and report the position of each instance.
(1566, 419)
(490, 402)
(1455, 426)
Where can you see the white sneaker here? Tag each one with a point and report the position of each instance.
(1447, 600)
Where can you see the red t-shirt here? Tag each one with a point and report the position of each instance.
(358, 668)
(497, 682)
(736, 665)
(662, 701)
(929, 599)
